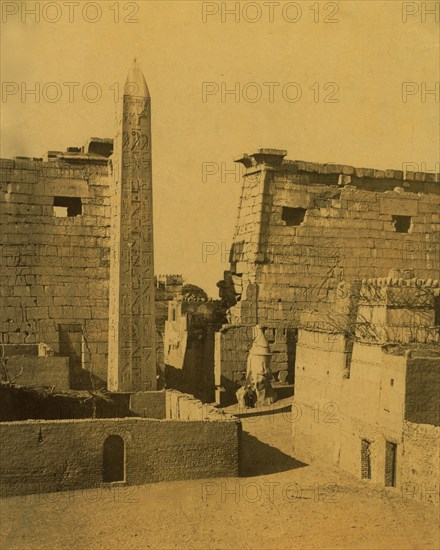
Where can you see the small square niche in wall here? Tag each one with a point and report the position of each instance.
(402, 223)
(293, 216)
(67, 207)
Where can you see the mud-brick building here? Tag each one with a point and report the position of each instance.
(302, 228)
(154, 436)
(367, 384)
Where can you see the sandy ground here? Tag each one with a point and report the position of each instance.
(278, 503)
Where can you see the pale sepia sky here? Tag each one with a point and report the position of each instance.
(369, 53)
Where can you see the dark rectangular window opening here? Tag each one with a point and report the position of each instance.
(293, 216)
(347, 366)
(67, 207)
(437, 310)
(402, 223)
(365, 459)
(390, 464)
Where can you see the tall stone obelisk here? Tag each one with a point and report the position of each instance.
(132, 331)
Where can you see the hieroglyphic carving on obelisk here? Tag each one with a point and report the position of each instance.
(132, 331)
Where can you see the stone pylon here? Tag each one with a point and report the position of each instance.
(132, 332)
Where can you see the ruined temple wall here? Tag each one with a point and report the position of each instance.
(55, 269)
(155, 450)
(346, 233)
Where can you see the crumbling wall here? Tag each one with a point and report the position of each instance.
(56, 268)
(421, 462)
(303, 228)
(189, 346)
(343, 400)
(149, 404)
(183, 406)
(33, 460)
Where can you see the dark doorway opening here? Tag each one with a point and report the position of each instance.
(390, 464)
(365, 459)
(113, 463)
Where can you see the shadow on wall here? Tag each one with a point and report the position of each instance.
(20, 403)
(82, 379)
(73, 345)
(197, 373)
(185, 381)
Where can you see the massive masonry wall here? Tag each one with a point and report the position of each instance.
(55, 270)
(54, 278)
(347, 232)
(33, 461)
(302, 228)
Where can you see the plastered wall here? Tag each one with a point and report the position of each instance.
(46, 456)
(334, 411)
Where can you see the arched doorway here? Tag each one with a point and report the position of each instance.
(113, 460)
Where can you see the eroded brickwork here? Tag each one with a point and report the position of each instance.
(55, 270)
(366, 406)
(54, 278)
(33, 461)
(303, 228)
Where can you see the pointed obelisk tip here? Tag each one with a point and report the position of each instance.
(135, 84)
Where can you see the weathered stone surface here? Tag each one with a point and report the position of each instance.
(38, 371)
(52, 264)
(348, 232)
(132, 329)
